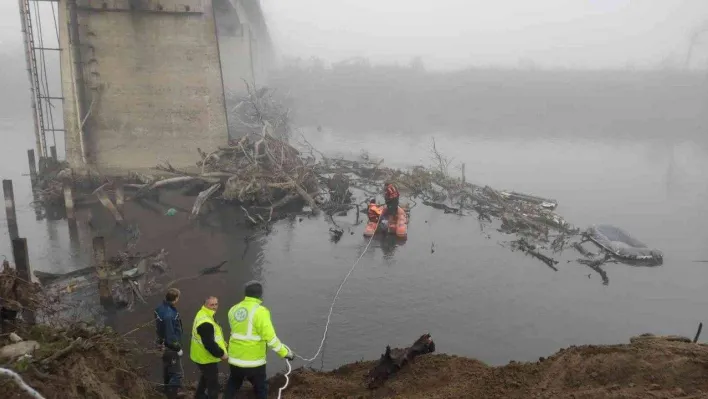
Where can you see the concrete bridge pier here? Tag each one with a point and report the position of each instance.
(142, 79)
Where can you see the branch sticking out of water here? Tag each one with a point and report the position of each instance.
(523, 245)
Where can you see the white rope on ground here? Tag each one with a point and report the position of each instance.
(21, 382)
(329, 316)
(287, 379)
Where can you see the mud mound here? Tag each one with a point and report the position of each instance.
(76, 362)
(648, 367)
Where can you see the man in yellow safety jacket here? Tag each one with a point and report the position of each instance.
(207, 349)
(251, 332)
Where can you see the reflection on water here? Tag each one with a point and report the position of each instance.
(476, 297)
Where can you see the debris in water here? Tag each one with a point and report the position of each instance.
(204, 272)
(595, 264)
(543, 202)
(530, 249)
(579, 247)
(202, 197)
(336, 234)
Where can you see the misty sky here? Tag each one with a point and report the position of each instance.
(456, 33)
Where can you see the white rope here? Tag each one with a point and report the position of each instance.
(287, 378)
(21, 383)
(329, 316)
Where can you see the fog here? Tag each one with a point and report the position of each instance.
(594, 103)
(357, 97)
(457, 33)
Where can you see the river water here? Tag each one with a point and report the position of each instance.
(474, 296)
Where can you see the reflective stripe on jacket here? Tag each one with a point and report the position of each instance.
(251, 330)
(197, 352)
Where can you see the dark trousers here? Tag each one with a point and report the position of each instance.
(208, 387)
(172, 373)
(255, 375)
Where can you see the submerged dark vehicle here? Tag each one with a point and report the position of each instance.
(623, 246)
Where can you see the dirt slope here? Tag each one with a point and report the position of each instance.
(648, 367)
(77, 362)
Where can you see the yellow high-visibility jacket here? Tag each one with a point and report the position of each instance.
(251, 331)
(197, 352)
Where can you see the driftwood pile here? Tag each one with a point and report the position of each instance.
(537, 225)
(16, 293)
(123, 280)
(269, 175)
(261, 171)
(78, 360)
(247, 112)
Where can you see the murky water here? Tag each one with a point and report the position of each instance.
(476, 297)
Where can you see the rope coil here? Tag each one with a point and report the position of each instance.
(329, 316)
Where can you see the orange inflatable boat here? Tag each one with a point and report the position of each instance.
(398, 225)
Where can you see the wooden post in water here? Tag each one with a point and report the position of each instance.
(99, 262)
(32, 165)
(74, 235)
(89, 220)
(42, 164)
(68, 200)
(10, 208)
(53, 150)
(120, 194)
(19, 252)
(38, 214)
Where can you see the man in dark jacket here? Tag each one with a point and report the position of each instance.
(169, 336)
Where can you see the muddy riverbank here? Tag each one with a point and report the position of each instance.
(647, 367)
(104, 365)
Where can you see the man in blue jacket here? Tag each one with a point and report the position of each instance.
(169, 336)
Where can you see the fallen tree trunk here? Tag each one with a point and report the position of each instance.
(106, 202)
(202, 197)
(579, 247)
(439, 205)
(393, 360)
(171, 181)
(523, 245)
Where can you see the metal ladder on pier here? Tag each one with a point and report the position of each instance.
(37, 71)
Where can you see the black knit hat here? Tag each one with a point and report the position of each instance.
(254, 289)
